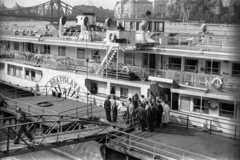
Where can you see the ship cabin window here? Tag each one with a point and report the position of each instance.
(158, 26)
(212, 67)
(197, 106)
(127, 26)
(149, 26)
(129, 58)
(96, 55)
(62, 51)
(185, 103)
(113, 90)
(33, 75)
(124, 93)
(94, 88)
(2, 67)
(15, 71)
(80, 53)
(236, 69)
(191, 65)
(175, 63)
(30, 47)
(226, 110)
(47, 49)
(16, 46)
(137, 25)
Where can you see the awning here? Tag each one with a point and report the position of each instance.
(164, 82)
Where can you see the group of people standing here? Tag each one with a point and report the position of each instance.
(141, 112)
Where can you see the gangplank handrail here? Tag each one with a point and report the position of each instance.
(187, 117)
(154, 142)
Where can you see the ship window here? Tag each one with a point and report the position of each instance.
(113, 90)
(174, 63)
(185, 103)
(62, 51)
(47, 49)
(33, 75)
(80, 53)
(94, 88)
(124, 93)
(226, 110)
(15, 71)
(236, 70)
(212, 67)
(129, 58)
(2, 67)
(96, 55)
(16, 46)
(19, 71)
(191, 65)
(197, 106)
(158, 26)
(127, 26)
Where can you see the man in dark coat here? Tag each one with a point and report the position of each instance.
(151, 117)
(114, 109)
(141, 116)
(130, 112)
(159, 112)
(107, 107)
(21, 117)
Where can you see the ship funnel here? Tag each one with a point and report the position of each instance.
(62, 22)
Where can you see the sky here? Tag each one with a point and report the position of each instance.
(106, 4)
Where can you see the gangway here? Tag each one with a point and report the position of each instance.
(67, 130)
(144, 148)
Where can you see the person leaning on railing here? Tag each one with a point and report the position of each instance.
(21, 118)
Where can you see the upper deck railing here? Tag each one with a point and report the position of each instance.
(192, 41)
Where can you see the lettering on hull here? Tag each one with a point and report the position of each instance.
(66, 87)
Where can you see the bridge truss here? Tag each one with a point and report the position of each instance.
(49, 11)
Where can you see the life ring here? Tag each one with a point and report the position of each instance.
(217, 82)
(36, 58)
(112, 37)
(125, 69)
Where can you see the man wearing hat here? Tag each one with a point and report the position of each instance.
(21, 117)
(107, 107)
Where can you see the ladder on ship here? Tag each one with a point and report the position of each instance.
(107, 60)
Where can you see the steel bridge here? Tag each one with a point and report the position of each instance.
(49, 11)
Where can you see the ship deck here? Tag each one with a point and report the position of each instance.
(59, 106)
(175, 135)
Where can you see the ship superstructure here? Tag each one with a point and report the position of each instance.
(198, 74)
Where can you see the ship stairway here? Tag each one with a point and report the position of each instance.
(107, 60)
(50, 131)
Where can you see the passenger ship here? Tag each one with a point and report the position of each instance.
(199, 75)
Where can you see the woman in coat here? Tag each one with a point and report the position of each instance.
(165, 114)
